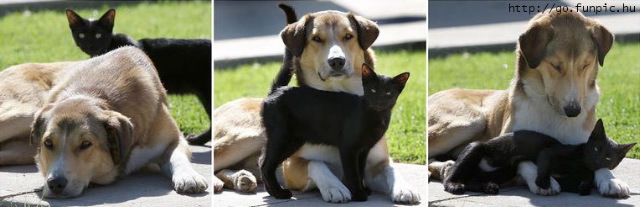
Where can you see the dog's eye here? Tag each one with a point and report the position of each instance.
(85, 145)
(98, 36)
(316, 39)
(48, 144)
(348, 37)
(557, 67)
(81, 35)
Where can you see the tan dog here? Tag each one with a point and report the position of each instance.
(328, 49)
(22, 90)
(554, 91)
(108, 116)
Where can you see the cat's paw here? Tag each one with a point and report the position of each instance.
(613, 188)
(454, 188)
(491, 188)
(281, 193)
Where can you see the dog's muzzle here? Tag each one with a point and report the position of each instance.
(572, 109)
(57, 184)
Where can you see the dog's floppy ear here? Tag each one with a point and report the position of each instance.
(119, 134)
(108, 18)
(603, 39)
(38, 125)
(367, 30)
(533, 43)
(294, 35)
(74, 18)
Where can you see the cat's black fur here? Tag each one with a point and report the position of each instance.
(572, 166)
(184, 65)
(293, 116)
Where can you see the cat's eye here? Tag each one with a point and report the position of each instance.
(48, 144)
(85, 145)
(81, 35)
(607, 158)
(373, 90)
(388, 93)
(596, 149)
(98, 36)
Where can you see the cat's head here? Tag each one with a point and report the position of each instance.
(381, 92)
(92, 36)
(602, 152)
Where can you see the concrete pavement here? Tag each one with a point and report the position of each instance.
(415, 175)
(20, 186)
(520, 195)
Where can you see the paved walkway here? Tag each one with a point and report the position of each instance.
(520, 195)
(414, 174)
(20, 186)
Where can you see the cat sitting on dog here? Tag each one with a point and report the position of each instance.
(294, 116)
(484, 166)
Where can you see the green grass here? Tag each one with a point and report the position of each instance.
(44, 36)
(406, 134)
(619, 82)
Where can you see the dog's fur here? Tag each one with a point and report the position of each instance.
(109, 116)
(554, 91)
(239, 134)
(22, 91)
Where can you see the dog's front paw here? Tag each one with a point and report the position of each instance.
(245, 182)
(553, 189)
(336, 194)
(405, 196)
(454, 188)
(613, 188)
(217, 185)
(189, 182)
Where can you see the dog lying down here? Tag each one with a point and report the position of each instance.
(108, 117)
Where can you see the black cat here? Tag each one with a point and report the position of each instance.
(293, 116)
(572, 166)
(184, 65)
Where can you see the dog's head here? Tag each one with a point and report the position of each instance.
(79, 142)
(330, 42)
(558, 60)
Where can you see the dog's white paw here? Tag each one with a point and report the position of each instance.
(405, 196)
(244, 182)
(613, 188)
(189, 182)
(217, 184)
(554, 188)
(336, 194)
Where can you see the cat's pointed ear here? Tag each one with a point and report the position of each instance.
(625, 148)
(367, 72)
(401, 79)
(109, 17)
(74, 18)
(598, 130)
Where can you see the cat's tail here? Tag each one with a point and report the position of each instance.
(289, 12)
(286, 70)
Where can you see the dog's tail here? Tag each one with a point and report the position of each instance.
(289, 12)
(286, 71)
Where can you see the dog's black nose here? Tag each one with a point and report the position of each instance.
(337, 63)
(572, 110)
(57, 184)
